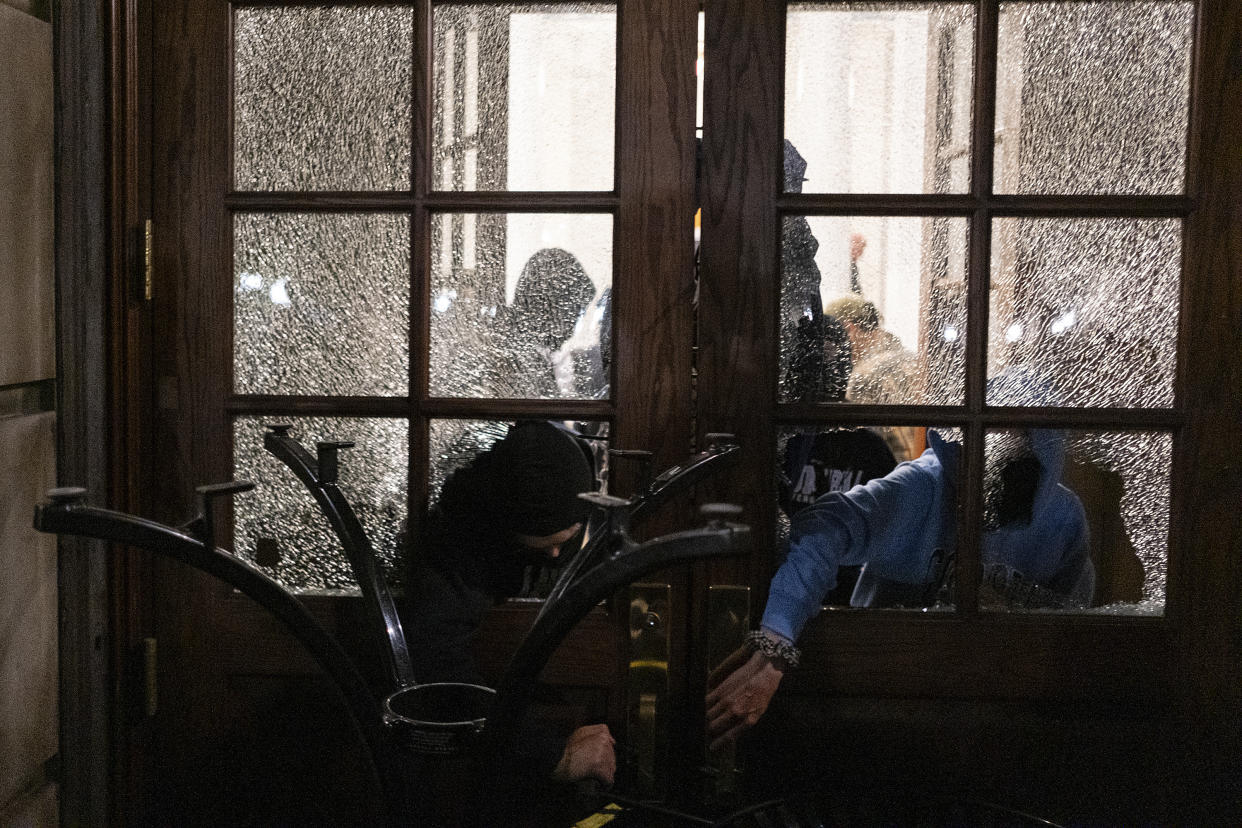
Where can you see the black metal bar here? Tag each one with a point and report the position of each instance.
(720, 453)
(318, 474)
(612, 518)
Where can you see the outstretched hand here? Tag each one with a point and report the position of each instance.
(738, 694)
(589, 754)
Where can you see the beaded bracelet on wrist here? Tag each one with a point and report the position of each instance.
(774, 648)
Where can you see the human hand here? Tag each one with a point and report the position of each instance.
(858, 243)
(589, 754)
(739, 691)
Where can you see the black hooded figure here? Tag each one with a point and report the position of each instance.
(474, 547)
(551, 294)
(515, 504)
(800, 276)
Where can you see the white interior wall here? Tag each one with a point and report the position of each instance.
(562, 116)
(857, 80)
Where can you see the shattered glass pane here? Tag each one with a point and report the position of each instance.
(322, 97)
(873, 309)
(278, 526)
(524, 96)
(814, 461)
(1093, 97)
(1097, 542)
(321, 304)
(456, 443)
(1084, 312)
(878, 97)
(521, 305)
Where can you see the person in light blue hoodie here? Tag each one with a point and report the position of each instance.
(901, 528)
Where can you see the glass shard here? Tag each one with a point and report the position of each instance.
(1093, 97)
(528, 314)
(278, 527)
(1097, 542)
(873, 309)
(524, 96)
(322, 97)
(1084, 312)
(321, 304)
(878, 97)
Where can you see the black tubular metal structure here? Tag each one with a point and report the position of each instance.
(68, 514)
(610, 561)
(319, 475)
(627, 562)
(614, 517)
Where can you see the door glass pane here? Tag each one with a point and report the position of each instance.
(524, 96)
(893, 526)
(1084, 312)
(278, 527)
(322, 97)
(878, 97)
(873, 309)
(1093, 97)
(520, 305)
(321, 304)
(1076, 521)
(457, 444)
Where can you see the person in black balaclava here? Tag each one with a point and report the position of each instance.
(514, 505)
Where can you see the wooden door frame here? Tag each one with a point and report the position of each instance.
(83, 285)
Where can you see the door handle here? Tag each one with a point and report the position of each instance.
(647, 686)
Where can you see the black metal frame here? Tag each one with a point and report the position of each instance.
(611, 560)
(319, 475)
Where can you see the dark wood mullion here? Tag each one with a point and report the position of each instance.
(502, 409)
(497, 201)
(1179, 600)
(740, 261)
(1111, 419)
(316, 406)
(423, 143)
(874, 204)
(1052, 206)
(653, 292)
(1205, 570)
(131, 403)
(969, 568)
(1089, 206)
(319, 202)
(439, 201)
(192, 359)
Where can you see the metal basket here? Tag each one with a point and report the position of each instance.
(441, 719)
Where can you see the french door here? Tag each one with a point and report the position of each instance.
(350, 201)
(345, 199)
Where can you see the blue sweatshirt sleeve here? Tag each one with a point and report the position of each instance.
(881, 520)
